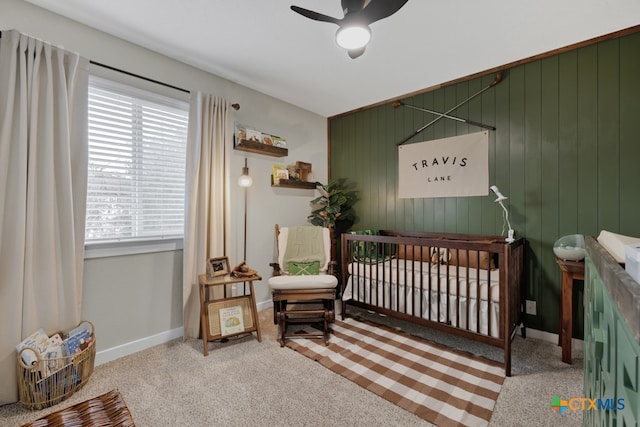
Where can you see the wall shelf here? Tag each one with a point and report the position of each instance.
(260, 148)
(290, 183)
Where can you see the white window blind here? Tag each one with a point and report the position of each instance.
(137, 154)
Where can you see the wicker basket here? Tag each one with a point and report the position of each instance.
(106, 410)
(49, 381)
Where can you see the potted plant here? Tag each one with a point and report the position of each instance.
(334, 208)
(335, 204)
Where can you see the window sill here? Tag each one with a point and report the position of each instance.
(123, 248)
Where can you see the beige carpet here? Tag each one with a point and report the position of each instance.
(247, 383)
(442, 386)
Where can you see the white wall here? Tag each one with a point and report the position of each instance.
(136, 297)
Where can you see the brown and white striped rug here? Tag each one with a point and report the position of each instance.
(438, 384)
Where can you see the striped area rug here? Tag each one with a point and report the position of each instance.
(437, 384)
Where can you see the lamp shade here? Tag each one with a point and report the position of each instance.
(353, 37)
(499, 195)
(245, 179)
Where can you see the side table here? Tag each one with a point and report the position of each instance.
(210, 307)
(571, 270)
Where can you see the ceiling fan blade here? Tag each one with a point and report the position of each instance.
(380, 9)
(352, 6)
(354, 53)
(315, 15)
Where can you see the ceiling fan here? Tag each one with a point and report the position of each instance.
(353, 32)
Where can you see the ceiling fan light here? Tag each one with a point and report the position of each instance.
(353, 37)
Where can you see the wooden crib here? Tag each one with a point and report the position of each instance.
(464, 284)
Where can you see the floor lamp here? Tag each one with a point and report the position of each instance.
(245, 181)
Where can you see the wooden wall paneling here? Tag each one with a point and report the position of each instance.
(548, 296)
(395, 134)
(389, 150)
(567, 143)
(587, 208)
(462, 203)
(500, 163)
(629, 140)
(405, 206)
(414, 207)
(339, 138)
(451, 129)
(373, 160)
(363, 169)
(439, 131)
(370, 163)
(608, 135)
(533, 173)
(359, 140)
(475, 211)
(516, 194)
(426, 100)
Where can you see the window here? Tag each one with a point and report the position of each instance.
(137, 154)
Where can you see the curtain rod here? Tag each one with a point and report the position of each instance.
(109, 67)
(235, 106)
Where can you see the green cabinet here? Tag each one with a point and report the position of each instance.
(612, 349)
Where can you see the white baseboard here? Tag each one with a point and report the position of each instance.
(264, 305)
(553, 338)
(122, 350)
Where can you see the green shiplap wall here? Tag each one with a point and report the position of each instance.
(566, 152)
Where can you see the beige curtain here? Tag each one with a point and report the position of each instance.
(43, 174)
(207, 212)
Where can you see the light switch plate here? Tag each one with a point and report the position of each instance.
(530, 307)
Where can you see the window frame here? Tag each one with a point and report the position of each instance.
(141, 245)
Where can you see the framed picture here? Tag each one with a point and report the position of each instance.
(218, 266)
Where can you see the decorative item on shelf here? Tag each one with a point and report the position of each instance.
(279, 172)
(305, 171)
(218, 266)
(279, 142)
(294, 173)
(570, 248)
(254, 141)
(253, 135)
(291, 176)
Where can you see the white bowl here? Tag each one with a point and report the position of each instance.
(570, 248)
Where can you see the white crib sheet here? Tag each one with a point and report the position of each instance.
(376, 284)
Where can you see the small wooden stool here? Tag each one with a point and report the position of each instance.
(298, 313)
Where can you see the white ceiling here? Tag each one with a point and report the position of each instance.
(263, 45)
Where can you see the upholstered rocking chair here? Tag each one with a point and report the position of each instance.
(303, 284)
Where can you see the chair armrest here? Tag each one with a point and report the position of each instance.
(276, 269)
(332, 268)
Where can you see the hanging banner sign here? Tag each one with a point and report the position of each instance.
(449, 167)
